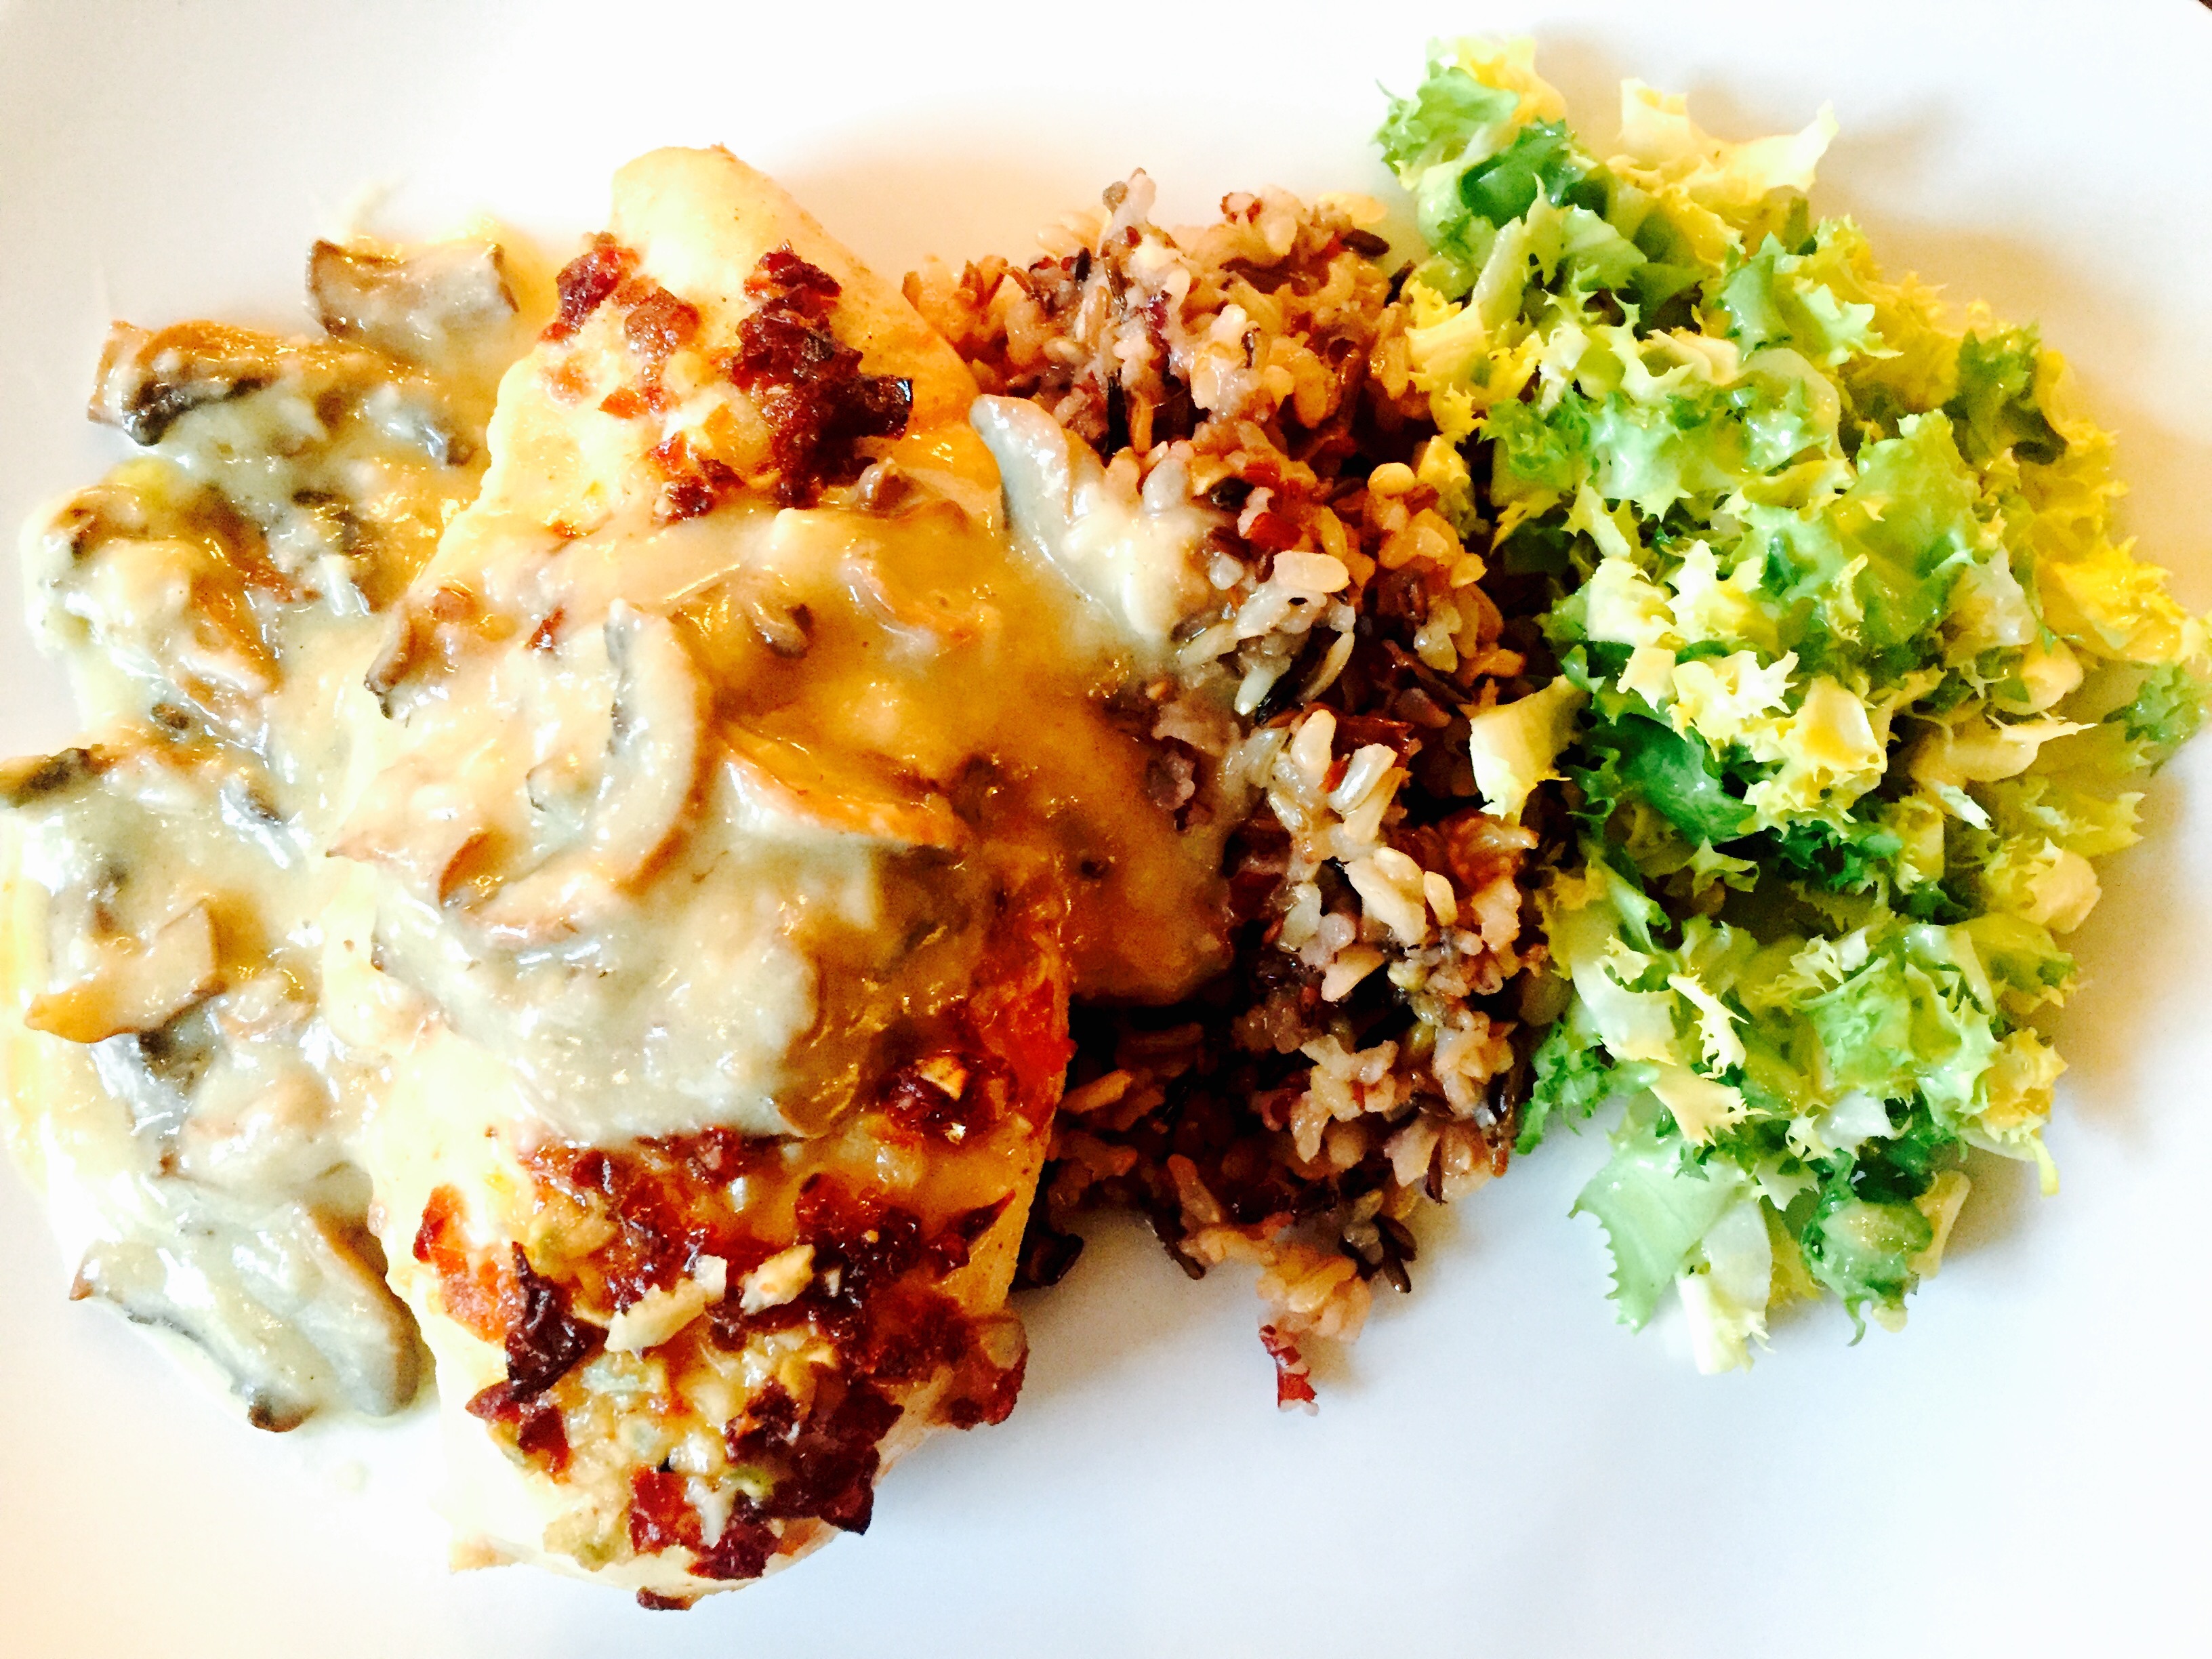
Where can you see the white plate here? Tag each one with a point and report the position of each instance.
(1497, 1466)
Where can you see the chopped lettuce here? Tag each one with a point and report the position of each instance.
(1854, 682)
(1656, 1210)
(1516, 746)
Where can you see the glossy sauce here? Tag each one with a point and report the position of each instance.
(528, 778)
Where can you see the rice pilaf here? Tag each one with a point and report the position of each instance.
(1367, 1048)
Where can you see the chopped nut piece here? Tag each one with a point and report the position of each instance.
(659, 1314)
(777, 1281)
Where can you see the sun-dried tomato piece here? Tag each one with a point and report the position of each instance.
(985, 1385)
(782, 275)
(496, 1404)
(659, 324)
(586, 282)
(807, 384)
(655, 1237)
(660, 1513)
(912, 1333)
(670, 1204)
(696, 493)
(696, 484)
(772, 1415)
(716, 1156)
(545, 1340)
(951, 1097)
(824, 1466)
(1294, 1389)
(472, 1290)
(543, 1435)
(742, 1551)
(949, 1248)
(684, 498)
(540, 1432)
(871, 1242)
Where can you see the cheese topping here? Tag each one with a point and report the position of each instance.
(595, 873)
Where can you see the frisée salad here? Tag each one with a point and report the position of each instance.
(1854, 683)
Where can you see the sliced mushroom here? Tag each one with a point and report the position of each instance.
(149, 380)
(413, 305)
(652, 757)
(1137, 551)
(794, 783)
(427, 849)
(785, 628)
(173, 611)
(271, 1368)
(167, 581)
(429, 630)
(41, 777)
(645, 791)
(135, 987)
(94, 515)
(320, 1277)
(405, 646)
(288, 1308)
(153, 1072)
(262, 1119)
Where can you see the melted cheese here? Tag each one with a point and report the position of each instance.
(593, 826)
(941, 731)
(1134, 553)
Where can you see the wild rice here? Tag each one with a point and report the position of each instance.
(1364, 1051)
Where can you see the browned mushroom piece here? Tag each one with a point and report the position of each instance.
(417, 305)
(324, 1278)
(135, 986)
(149, 378)
(267, 1367)
(39, 777)
(289, 1305)
(160, 584)
(424, 821)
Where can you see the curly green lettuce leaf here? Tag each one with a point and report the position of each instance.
(1997, 408)
(1574, 1079)
(1778, 297)
(1479, 142)
(1516, 746)
(1657, 1209)
(2164, 713)
(1635, 757)
(1863, 682)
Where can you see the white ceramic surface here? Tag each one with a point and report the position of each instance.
(1497, 1468)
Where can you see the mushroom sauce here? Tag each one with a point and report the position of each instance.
(676, 777)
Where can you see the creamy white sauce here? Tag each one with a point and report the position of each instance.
(581, 826)
(1134, 551)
